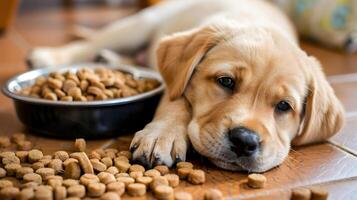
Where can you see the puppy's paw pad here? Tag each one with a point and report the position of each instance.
(157, 146)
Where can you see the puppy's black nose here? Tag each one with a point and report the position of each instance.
(245, 142)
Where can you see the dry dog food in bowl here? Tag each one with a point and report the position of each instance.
(88, 84)
(87, 100)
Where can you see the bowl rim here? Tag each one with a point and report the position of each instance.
(136, 71)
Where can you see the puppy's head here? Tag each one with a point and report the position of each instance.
(252, 92)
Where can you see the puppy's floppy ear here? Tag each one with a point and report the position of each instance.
(179, 54)
(324, 114)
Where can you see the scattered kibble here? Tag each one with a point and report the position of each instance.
(213, 194)
(318, 193)
(104, 174)
(300, 194)
(256, 181)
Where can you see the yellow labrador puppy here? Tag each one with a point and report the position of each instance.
(239, 88)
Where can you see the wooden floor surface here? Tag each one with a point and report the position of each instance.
(331, 165)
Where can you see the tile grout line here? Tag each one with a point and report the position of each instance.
(343, 148)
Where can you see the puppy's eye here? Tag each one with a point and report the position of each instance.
(226, 82)
(283, 106)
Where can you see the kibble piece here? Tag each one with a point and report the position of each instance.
(75, 92)
(86, 179)
(26, 194)
(76, 191)
(107, 161)
(117, 187)
(94, 155)
(106, 177)
(60, 193)
(68, 84)
(69, 160)
(113, 170)
(50, 96)
(24, 145)
(121, 158)
(43, 193)
(136, 189)
(318, 193)
(196, 176)
(70, 182)
(123, 174)
(256, 181)
(110, 154)
(9, 193)
(62, 155)
(54, 83)
(67, 98)
(32, 177)
(80, 144)
(184, 165)
(37, 165)
(57, 177)
(22, 171)
(97, 165)
(56, 164)
(183, 196)
(10, 160)
(122, 166)
(84, 85)
(32, 185)
(300, 194)
(44, 172)
(95, 189)
(213, 194)
(59, 93)
(110, 196)
(18, 137)
(94, 90)
(163, 169)
(4, 142)
(127, 154)
(6, 154)
(136, 168)
(12, 168)
(35, 155)
(22, 155)
(136, 175)
(164, 192)
(144, 180)
(54, 183)
(152, 173)
(45, 161)
(173, 180)
(5, 183)
(2, 172)
(183, 172)
(126, 180)
(84, 162)
(159, 180)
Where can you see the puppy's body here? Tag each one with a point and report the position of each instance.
(238, 86)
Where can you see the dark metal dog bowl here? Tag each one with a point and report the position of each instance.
(93, 119)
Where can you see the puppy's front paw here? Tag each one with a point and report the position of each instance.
(44, 57)
(159, 143)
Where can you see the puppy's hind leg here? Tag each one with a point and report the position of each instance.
(127, 34)
(164, 140)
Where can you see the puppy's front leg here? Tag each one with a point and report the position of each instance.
(164, 140)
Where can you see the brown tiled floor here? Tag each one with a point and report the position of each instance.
(332, 165)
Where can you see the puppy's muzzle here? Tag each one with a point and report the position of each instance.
(245, 142)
